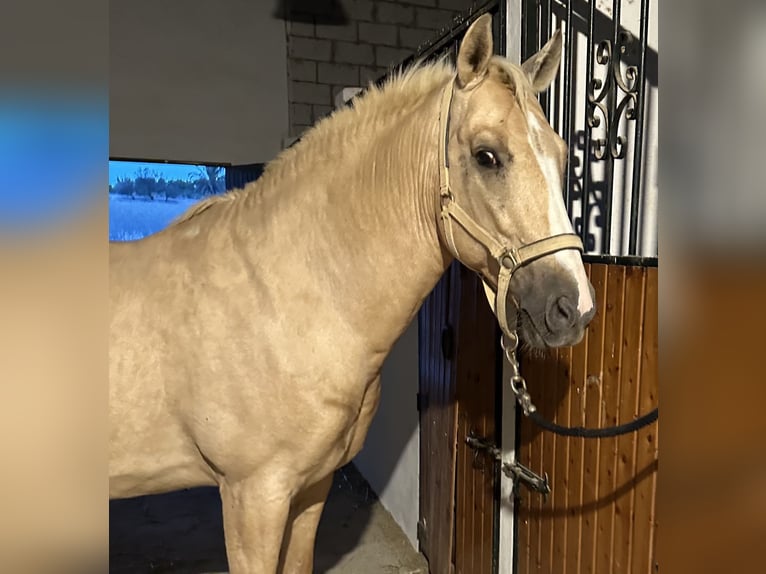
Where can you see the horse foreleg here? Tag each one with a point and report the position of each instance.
(254, 518)
(300, 534)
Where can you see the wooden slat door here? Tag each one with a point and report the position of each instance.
(600, 517)
(438, 421)
(476, 388)
(458, 361)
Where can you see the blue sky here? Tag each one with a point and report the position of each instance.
(128, 169)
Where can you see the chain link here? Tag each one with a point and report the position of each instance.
(518, 384)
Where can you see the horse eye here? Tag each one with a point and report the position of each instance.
(487, 158)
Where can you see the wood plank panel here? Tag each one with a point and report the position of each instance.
(592, 418)
(531, 456)
(645, 485)
(601, 516)
(629, 377)
(613, 330)
(549, 399)
(475, 388)
(572, 517)
(560, 475)
(438, 428)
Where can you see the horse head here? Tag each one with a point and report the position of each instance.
(501, 182)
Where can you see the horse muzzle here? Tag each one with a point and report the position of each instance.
(555, 320)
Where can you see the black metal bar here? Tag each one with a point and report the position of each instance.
(628, 260)
(169, 161)
(638, 142)
(501, 43)
(568, 103)
(557, 96)
(555, 93)
(528, 30)
(584, 214)
(543, 33)
(612, 101)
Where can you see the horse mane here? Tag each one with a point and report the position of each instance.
(373, 109)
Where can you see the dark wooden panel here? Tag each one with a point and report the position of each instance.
(476, 388)
(600, 517)
(437, 424)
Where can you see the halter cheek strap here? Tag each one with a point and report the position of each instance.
(509, 258)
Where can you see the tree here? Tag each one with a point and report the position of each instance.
(210, 180)
(123, 186)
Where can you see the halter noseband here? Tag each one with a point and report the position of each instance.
(509, 258)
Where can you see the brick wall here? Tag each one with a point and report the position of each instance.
(323, 59)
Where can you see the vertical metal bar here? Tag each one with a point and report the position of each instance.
(501, 33)
(526, 29)
(587, 152)
(568, 103)
(543, 34)
(557, 94)
(638, 142)
(612, 100)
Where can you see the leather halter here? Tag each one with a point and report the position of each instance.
(509, 258)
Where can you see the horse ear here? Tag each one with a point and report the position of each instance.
(543, 66)
(475, 51)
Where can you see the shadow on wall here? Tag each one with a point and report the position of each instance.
(327, 12)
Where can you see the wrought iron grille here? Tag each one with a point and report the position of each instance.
(603, 104)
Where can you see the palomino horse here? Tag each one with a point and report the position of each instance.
(247, 338)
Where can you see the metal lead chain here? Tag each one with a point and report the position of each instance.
(518, 384)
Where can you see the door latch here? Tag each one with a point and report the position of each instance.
(519, 473)
(516, 471)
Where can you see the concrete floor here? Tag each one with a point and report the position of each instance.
(182, 533)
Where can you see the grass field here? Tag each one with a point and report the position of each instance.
(131, 219)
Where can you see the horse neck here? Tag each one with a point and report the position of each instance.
(387, 204)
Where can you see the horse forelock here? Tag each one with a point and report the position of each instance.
(514, 78)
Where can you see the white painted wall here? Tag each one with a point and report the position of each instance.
(197, 81)
(390, 459)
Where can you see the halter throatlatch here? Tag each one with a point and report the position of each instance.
(509, 258)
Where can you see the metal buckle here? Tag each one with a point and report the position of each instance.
(510, 259)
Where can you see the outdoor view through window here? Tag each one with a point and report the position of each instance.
(144, 197)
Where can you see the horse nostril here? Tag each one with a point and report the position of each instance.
(562, 314)
(587, 317)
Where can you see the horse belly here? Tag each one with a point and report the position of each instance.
(155, 462)
(149, 448)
